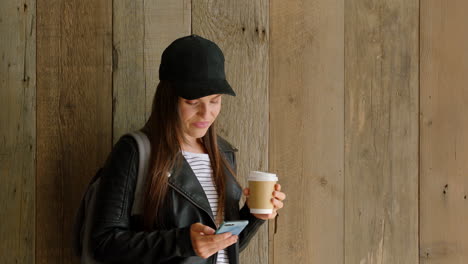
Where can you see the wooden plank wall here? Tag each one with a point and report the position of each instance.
(241, 30)
(74, 114)
(381, 131)
(306, 129)
(141, 31)
(165, 21)
(17, 131)
(128, 87)
(444, 127)
(328, 98)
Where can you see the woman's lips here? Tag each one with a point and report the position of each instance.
(201, 124)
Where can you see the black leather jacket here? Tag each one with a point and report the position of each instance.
(119, 238)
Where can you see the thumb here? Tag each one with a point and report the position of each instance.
(200, 228)
(208, 230)
(197, 227)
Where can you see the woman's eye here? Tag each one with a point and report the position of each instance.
(215, 102)
(191, 102)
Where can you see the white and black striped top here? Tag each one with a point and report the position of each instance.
(201, 166)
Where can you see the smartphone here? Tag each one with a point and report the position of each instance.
(235, 227)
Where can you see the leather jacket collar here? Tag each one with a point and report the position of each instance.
(186, 183)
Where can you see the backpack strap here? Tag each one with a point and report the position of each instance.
(84, 216)
(144, 151)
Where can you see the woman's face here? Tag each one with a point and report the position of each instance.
(198, 115)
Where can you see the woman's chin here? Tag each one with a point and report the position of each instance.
(198, 133)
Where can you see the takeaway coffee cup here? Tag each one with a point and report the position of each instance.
(262, 185)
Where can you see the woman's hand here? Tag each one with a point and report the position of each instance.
(206, 243)
(277, 201)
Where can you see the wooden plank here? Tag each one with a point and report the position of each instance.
(129, 95)
(306, 128)
(74, 114)
(240, 29)
(444, 126)
(165, 21)
(381, 131)
(142, 30)
(17, 131)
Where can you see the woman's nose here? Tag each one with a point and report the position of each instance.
(203, 110)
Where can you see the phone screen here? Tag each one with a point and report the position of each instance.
(235, 227)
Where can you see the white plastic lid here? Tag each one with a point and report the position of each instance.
(262, 176)
(261, 211)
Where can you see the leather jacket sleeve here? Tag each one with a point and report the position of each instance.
(251, 229)
(244, 214)
(113, 239)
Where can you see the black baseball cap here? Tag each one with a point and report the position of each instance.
(196, 67)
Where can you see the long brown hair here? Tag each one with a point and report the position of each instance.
(164, 130)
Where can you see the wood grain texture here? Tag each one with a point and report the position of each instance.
(306, 128)
(241, 29)
(444, 126)
(74, 114)
(165, 21)
(381, 131)
(17, 131)
(142, 30)
(129, 94)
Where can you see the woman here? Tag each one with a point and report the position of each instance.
(191, 187)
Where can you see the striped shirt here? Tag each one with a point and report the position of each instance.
(201, 166)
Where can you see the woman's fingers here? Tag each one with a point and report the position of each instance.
(208, 230)
(277, 203)
(209, 245)
(278, 187)
(279, 195)
(222, 242)
(200, 228)
(197, 227)
(205, 243)
(217, 238)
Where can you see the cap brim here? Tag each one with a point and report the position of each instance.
(191, 90)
